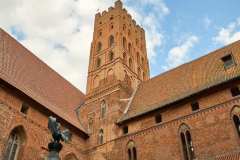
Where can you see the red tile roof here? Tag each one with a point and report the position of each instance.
(183, 81)
(23, 70)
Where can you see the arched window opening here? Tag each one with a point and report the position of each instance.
(124, 43)
(129, 48)
(111, 41)
(236, 121)
(100, 136)
(111, 56)
(187, 144)
(124, 57)
(15, 143)
(99, 46)
(98, 62)
(130, 63)
(138, 58)
(236, 118)
(132, 151)
(142, 60)
(184, 146)
(129, 154)
(124, 27)
(103, 109)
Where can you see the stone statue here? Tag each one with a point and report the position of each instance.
(55, 145)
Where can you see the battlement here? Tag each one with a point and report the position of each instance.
(112, 11)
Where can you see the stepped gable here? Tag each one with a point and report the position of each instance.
(23, 70)
(183, 81)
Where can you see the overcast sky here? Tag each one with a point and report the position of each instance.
(177, 31)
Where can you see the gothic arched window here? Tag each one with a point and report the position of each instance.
(138, 58)
(111, 56)
(103, 109)
(124, 57)
(15, 143)
(100, 136)
(111, 41)
(99, 46)
(236, 118)
(186, 141)
(129, 48)
(124, 43)
(130, 63)
(132, 151)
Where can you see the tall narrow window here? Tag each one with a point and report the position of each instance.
(124, 57)
(99, 46)
(186, 141)
(111, 41)
(139, 72)
(236, 118)
(98, 62)
(90, 123)
(124, 43)
(129, 48)
(103, 109)
(111, 56)
(138, 58)
(100, 136)
(132, 151)
(130, 63)
(14, 144)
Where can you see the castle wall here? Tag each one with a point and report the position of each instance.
(34, 123)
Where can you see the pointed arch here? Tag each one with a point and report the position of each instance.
(15, 143)
(235, 116)
(103, 109)
(186, 142)
(100, 136)
(131, 150)
(111, 41)
(124, 43)
(70, 156)
(99, 46)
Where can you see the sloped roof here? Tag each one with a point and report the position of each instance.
(183, 81)
(23, 70)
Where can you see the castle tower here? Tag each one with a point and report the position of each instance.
(118, 50)
(118, 63)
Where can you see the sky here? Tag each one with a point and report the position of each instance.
(59, 32)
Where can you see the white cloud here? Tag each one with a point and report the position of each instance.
(151, 22)
(179, 54)
(60, 32)
(228, 34)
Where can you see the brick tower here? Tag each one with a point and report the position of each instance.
(118, 63)
(118, 50)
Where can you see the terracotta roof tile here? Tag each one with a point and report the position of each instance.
(184, 81)
(23, 70)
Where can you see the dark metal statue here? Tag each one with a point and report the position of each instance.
(55, 145)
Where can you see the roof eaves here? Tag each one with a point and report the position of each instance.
(167, 103)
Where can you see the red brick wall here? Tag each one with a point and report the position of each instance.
(35, 126)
